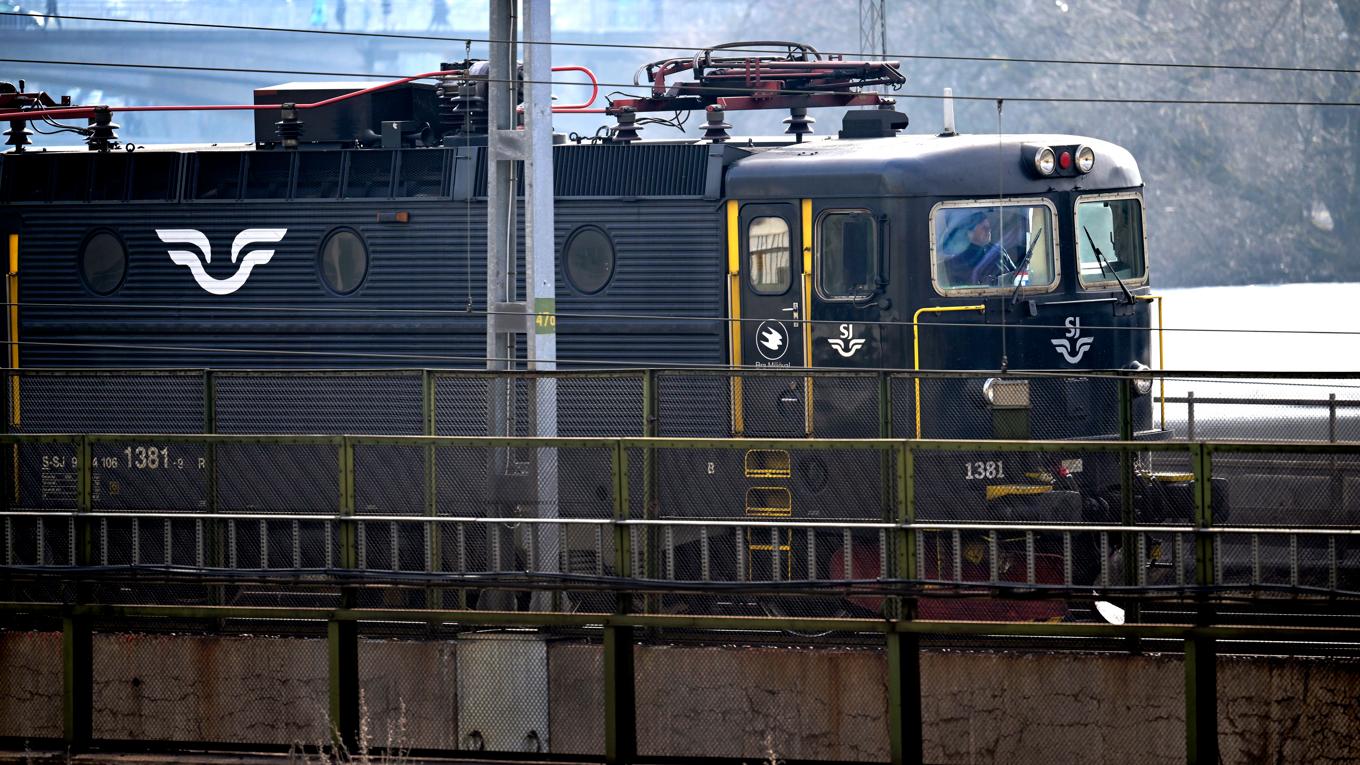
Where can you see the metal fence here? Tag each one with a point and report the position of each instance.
(859, 518)
(626, 688)
(388, 576)
(704, 512)
(690, 403)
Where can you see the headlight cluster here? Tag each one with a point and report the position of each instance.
(1064, 160)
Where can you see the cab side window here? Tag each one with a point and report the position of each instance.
(847, 254)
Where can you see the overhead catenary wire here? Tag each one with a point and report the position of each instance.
(660, 46)
(723, 90)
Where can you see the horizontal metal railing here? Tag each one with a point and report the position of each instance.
(183, 517)
(657, 402)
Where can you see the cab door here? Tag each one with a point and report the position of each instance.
(851, 278)
(767, 264)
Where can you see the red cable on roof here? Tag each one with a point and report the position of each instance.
(89, 111)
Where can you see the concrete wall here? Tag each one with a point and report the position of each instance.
(1063, 708)
(798, 704)
(30, 684)
(1288, 710)
(410, 693)
(705, 701)
(193, 688)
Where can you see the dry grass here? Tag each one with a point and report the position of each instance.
(395, 747)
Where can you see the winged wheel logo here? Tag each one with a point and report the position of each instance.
(195, 261)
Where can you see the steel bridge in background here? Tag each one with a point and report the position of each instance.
(242, 540)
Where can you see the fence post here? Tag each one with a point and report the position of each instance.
(650, 487)
(433, 549)
(343, 635)
(1331, 418)
(620, 707)
(77, 637)
(77, 708)
(1201, 655)
(904, 648)
(210, 452)
(886, 471)
(1128, 515)
(342, 648)
(1190, 416)
(885, 409)
(218, 556)
(84, 552)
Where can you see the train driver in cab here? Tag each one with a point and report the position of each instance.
(974, 259)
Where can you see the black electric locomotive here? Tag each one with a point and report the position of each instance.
(357, 239)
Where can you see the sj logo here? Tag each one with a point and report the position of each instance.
(1073, 346)
(847, 343)
(195, 261)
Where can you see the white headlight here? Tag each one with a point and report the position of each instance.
(1006, 394)
(1086, 159)
(1142, 385)
(1045, 162)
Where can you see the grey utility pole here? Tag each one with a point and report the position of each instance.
(509, 314)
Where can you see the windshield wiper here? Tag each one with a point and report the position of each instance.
(1024, 266)
(1105, 264)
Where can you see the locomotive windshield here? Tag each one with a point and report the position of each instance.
(1115, 225)
(978, 249)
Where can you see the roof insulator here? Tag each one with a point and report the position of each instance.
(799, 124)
(627, 129)
(103, 130)
(290, 127)
(18, 135)
(715, 129)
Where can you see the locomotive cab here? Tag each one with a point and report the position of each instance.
(947, 253)
(1008, 254)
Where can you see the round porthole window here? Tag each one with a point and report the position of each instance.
(344, 261)
(588, 259)
(103, 262)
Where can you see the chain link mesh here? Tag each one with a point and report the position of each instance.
(761, 700)
(104, 402)
(824, 403)
(587, 404)
(270, 477)
(1287, 709)
(769, 405)
(210, 688)
(1024, 705)
(491, 690)
(1262, 409)
(31, 696)
(727, 523)
(372, 403)
(409, 687)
